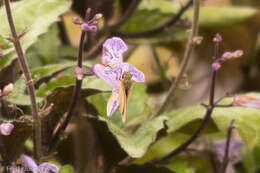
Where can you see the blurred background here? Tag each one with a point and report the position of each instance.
(159, 54)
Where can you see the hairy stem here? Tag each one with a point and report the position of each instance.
(189, 48)
(29, 81)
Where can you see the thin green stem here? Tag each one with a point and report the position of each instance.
(187, 54)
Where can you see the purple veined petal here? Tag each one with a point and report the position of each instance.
(112, 103)
(119, 70)
(6, 128)
(137, 75)
(103, 73)
(113, 49)
(245, 100)
(46, 167)
(28, 162)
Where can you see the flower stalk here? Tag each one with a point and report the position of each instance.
(86, 26)
(30, 84)
(189, 48)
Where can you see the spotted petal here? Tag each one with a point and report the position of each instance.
(112, 103)
(113, 49)
(105, 74)
(119, 70)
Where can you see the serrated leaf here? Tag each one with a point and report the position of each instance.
(246, 120)
(36, 15)
(134, 143)
(66, 169)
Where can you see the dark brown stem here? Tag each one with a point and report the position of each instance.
(189, 141)
(156, 30)
(29, 81)
(189, 48)
(75, 98)
(226, 156)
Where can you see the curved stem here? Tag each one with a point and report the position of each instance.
(189, 48)
(30, 84)
(156, 30)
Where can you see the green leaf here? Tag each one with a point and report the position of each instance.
(67, 79)
(179, 166)
(66, 169)
(144, 20)
(18, 95)
(49, 70)
(36, 15)
(247, 120)
(134, 143)
(162, 147)
(209, 16)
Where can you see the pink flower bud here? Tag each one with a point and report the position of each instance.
(98, 16)
(93, 28)
(226, 56)
(76, 20)
(8, 89)
(238, 53)
(6, 128)
(84, 27)
(217, 38)
(216, 65)
(79, 73)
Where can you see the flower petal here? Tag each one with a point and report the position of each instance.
(244, 100)
(105, 74)
(29, 163)
(6, 128)
(113, 49)
(137, 75)
(46, 167)
(112, 103)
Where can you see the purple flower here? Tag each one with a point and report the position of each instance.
(6, 128)
(217, 38)
(248, 101)
(231, 55)
(216, 65)
(117, 74)
(44, 167)
(234, 152)
(113, 50)
(79, 73)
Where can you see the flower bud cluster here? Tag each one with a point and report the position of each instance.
(88, 25)
(225, 56)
